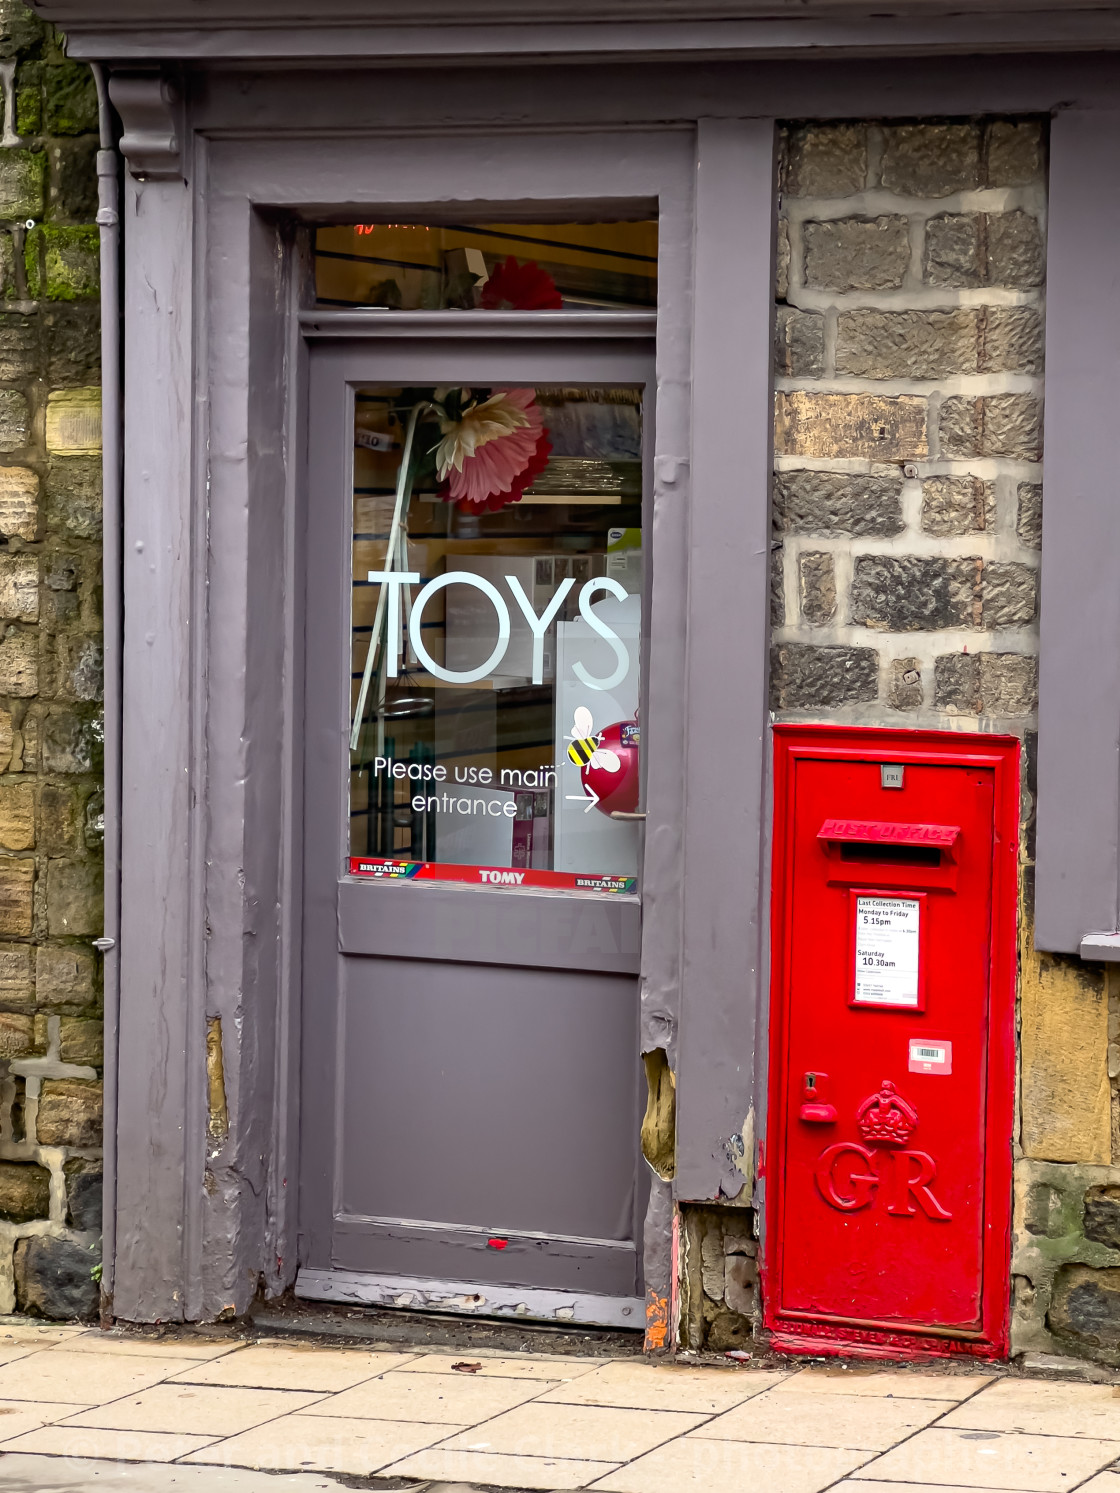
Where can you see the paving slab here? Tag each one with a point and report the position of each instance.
(31, 1474)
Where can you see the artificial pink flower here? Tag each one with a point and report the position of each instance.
(489, 456)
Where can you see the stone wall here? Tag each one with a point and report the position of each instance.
(50, 678)
(908, 424)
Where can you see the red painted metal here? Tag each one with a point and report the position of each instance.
(888, 1229)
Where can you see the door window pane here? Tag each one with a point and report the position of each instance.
(496, 622)
(495, 266)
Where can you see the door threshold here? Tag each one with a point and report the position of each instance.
(469, 1298)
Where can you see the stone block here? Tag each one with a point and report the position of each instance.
(19, 663)
(93, 827)
(1016, 254)
(17, 880)
(798, 343)
(7, 739)
(1043, 1212)
(70, 99)
(68, 743)
(1028, 518)
(55, 1278)
(904, 689)
(74, 422)
(995, 425)
(1010, 594)
(19, 503)
(857, 253)
(907, 344)
(872, 426)
(82, 1041)
(973, 249)
(1014, 152)
(15, 421)
(777, 589)
(60, 819)
(20, 28)
(823, 503)
(75, 899)
(25, 1191)
(782, 261)
(64, 976)
(70, 1113)
(23, 176)
(816, 584)
(740, 1288)
(83, 1197)
(930, 160)
(1010, 340)
(953, 252)
(996, 684)
(17, 980)
(63, 263)
(957, 505)
(17, 816)
(1065, 1092)
(730, 1331)
(19, 588)
(1102, 1215)
(805, 677)
(827, 160)
(72, 343)
(915, 593)
(29, 101)
(72, 180)
(9, 284)
(1085, 1306)
(740, 1244)
(20, 357)
(78, 667)
(711, 1264)
(74, 497)
(17, 1034)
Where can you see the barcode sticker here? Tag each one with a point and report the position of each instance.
(930, 1057)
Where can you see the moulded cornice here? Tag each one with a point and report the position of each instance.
(386, 30)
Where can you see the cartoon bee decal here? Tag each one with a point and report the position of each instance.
(585, 751)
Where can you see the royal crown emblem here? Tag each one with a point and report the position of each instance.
(886, 1118)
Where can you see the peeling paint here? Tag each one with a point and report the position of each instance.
(659, 1124)
(217, 1125)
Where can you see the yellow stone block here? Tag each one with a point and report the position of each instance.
(1066, 1101)
(74, 422)
(871, 426)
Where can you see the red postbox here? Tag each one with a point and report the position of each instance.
(888, 1159)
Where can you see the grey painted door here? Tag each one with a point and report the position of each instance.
(471, 939)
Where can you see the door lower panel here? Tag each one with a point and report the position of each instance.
(467, 1298)
(511, 1258)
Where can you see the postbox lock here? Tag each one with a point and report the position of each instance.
(815, 1110)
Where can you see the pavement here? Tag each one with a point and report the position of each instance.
(81, 1409)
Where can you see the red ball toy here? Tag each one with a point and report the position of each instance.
(617, 789)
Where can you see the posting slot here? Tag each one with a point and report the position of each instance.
(894, 854)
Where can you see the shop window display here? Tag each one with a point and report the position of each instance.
(488, 266)
(496, 625)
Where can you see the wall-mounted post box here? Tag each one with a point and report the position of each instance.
(888, 1153)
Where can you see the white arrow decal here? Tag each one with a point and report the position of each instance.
(590, 798)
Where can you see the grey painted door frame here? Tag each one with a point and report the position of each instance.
(215, 394)
(215, 379)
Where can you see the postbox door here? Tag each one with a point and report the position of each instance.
(885, 1044)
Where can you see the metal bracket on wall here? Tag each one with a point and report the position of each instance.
(150, 107)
